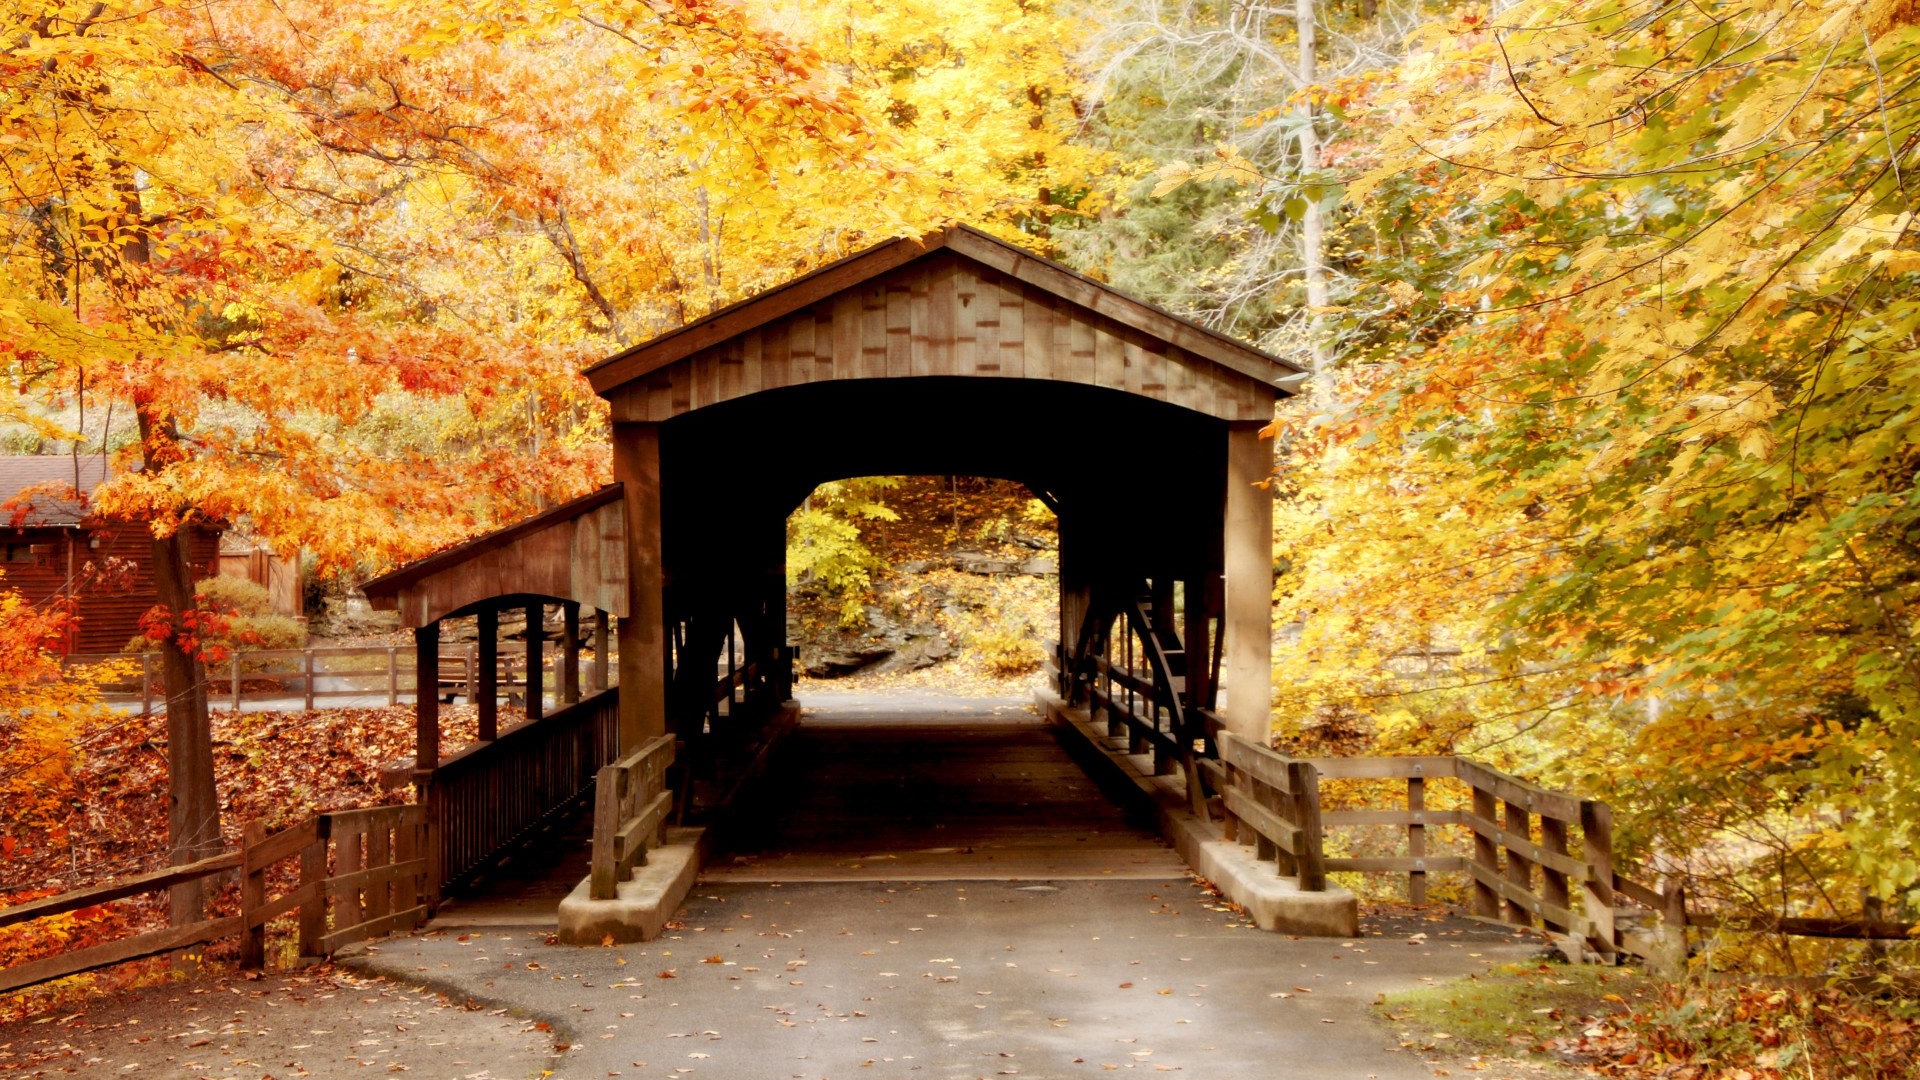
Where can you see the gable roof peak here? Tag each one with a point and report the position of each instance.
(969, 243)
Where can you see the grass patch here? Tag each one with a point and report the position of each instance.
(1521, 1011)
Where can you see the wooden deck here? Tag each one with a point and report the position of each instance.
(934, 789)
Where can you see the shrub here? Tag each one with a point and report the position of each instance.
(253, 624)
(238, 595)
(1006, 652)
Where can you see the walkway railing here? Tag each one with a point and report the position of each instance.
(359, 874)
(492, 794)
(1273, 802)
(631, 803)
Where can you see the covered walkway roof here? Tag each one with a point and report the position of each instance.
(575, 551)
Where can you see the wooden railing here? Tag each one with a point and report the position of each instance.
(491, 795)
(631, 802)
(1535, 851)
(318, 675)
(1273, 802)
(363, 869)
(1124, 698)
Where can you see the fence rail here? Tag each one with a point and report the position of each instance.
(1273, 802)
(631, 805)
(361, 869)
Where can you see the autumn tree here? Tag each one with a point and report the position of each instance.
(338, 266)
(1637, 460)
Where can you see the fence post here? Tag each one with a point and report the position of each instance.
(1305, 781)
(1519, 822)
(1553, 837)
(393, 675)
(1486, 855)
(313, 871)
(146, 684)
(307, 658)
(253, 897)
(1596, 893)
(1417, 837)
(606, 820)
(234, 673)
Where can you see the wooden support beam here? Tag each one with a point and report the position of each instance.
(426, 697)
(599, 650)
(643, 637)
(536, 637)
(487, 694)
(570, 654)
(1246, 631)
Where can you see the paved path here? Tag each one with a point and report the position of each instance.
(956, 980)
(934, 890)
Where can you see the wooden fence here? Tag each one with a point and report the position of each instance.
(488, 797)
(631, 805)
(322, 674)
(360, 874)
(1273, 802)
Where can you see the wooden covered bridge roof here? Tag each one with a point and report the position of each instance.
(957, 302)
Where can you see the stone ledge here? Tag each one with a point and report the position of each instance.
(1271, 901)
(645, 903)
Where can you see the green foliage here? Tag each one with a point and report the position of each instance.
(825, 553)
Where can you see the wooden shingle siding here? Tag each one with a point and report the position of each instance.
(943, 316)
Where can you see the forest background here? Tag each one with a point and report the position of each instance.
(1606, 473)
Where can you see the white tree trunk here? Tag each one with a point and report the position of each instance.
(1312, 226)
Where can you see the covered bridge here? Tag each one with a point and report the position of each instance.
(954, 353)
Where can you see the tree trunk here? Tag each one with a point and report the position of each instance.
(193, 803)
(1312, 225)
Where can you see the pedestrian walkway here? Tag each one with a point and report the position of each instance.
(921, 787)
(952, 979)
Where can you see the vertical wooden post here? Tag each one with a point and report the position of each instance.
(146, 684)
(570, 654)
(1596, 843)
(643, 639)
(1196, 638)
(1246, 630)
(1417, 838)
(253, 897)
(470, 671)
(233, 671)
(599, 650)
(1519, 867)
(379, 854)
(487, 697)
(1486, 856)
(307, 658)
(313, 870)
(536, 637)
(1305, 781)
(1553, 888)
(426, 697)
(393, 674)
